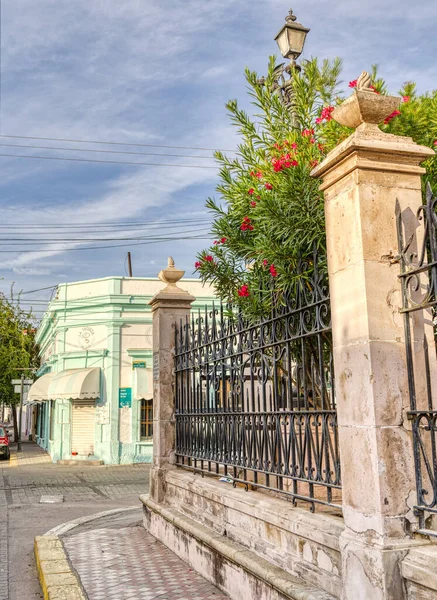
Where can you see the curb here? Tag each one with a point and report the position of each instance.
(56, 575)
(69, 525)
(58, 579)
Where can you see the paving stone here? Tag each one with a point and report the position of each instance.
(130, 564)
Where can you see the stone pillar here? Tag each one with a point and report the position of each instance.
(362, 180)
(170, 307)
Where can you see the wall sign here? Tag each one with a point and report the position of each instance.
(125, 397)
(139, 364)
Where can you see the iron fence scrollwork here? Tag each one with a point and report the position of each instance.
(418, 260)
(255, 401)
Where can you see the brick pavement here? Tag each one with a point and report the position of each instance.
(85, 490)
(130, 564)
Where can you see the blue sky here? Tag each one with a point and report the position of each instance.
(155, 72)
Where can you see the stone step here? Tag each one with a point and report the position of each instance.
(80, 463)
(231, 567)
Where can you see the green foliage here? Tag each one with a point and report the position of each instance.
(270, 210)
(17, 345)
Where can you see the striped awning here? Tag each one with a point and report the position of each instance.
(75, 384)
(39, 391)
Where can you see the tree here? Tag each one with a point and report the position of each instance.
(17, 349)
(270, 214)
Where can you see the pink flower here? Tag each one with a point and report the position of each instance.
(394, 114)
(224, 240)
(372, 87)
(216, 242)
(209, 258)
(259, 175)
(246, 224)
(197, 265)
(435, 142)
(325, 115)
(312, 141)
(244, 291)
(307, 132)
(320, 147)
(273, 271)
(253, 204)
(405, 98)
(294, 145)
(251, 191)
(277, 146)
(268, 186)
(353, 83)
(265, 262)
(252, 173)
(314, 163)
(294, 163)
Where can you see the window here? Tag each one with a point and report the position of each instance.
(146, 419)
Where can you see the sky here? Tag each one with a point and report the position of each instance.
(156, 73)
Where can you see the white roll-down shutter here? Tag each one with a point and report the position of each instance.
(82, 429)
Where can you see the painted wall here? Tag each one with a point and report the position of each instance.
(104, 323)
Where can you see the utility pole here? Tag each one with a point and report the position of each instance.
(21, 413)
(129, 264)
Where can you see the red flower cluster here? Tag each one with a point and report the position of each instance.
(251, 192)
(268, 186)
(308, 133)
(284, 162)
(253, 204)
(273, 271)
(353, 83)
(258, 174)
(325, 115)
(244, 291)
(435, 142)
(265, 262)
(222, 240)
(199, 264)
(394, 114)
(314, 163)
(405, 98)
(246, 224)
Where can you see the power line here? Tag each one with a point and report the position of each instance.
(108, 162)
(106, 224)
(47, 139)
(69, 230)
(50, 287)
(168, 239)
(105, 151)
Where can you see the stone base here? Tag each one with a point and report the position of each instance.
(372, 571)
(231, 567)
(419, 570)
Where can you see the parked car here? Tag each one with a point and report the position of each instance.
(4, 444)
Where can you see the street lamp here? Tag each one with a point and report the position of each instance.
(290, 40)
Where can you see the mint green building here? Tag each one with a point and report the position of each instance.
(93, 399)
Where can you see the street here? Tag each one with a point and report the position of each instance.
(27, 482)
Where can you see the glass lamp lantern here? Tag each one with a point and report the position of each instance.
(291, 38)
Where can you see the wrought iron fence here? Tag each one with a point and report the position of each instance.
(418, 260)
(255, 402)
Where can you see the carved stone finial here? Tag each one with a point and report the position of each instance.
(364, 83)
(365, 108)
(290, 18)
(171, 276)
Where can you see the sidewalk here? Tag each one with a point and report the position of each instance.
(117, 559)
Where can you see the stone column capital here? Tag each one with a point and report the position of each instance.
(369, 148)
